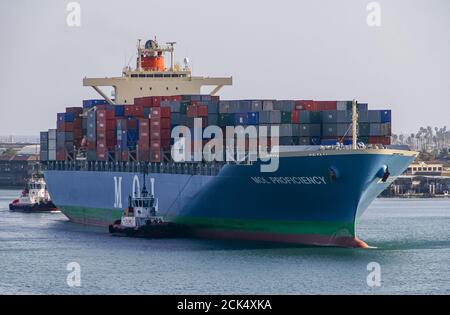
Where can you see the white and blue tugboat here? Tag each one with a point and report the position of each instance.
(141, 219)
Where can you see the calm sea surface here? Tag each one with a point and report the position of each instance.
(412, 240)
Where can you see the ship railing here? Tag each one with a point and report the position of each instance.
(187, 168)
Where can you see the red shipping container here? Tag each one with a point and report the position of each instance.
(144, 125)
(105, 114)
(165, 123)
(106, 135)
(92, 145)
(155, 112)
(101, 156)
(77, 133)
(305, 105)
(144, 154)
(176, 98)
(155, 124)
(192, 110)
(74, 110)
(138, 110)
(155, 156)
(193, 102)
(64, 126)
(165, 144)
(295, 117)
(124, 155)
(384, 140)
(132, 123)
(166, 98)
(101, 144)
(326, 105)
(106, 125)
(144, 145)
(156, 101)
(202, 111)
(165, 112)
(155, 134)
(60, 155)
(144, 133)
(128, 110)
(77, 122)
(146, 101)
(155, 145)
(165, 134)
(143, 122)
(134, 110)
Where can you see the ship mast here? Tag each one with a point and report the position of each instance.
(354, 125)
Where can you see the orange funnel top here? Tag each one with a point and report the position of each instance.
(152, 63)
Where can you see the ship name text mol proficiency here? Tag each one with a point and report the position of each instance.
(303, 180)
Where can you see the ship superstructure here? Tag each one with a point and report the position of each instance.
(152, 77)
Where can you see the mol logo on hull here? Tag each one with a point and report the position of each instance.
(136, 189)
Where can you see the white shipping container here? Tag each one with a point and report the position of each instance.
(52, 144)
(52, 155)
(52, 134)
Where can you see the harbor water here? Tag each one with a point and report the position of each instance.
(411, 240)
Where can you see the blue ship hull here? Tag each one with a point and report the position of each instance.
(299, 203)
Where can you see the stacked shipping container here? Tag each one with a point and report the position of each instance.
(142, 131)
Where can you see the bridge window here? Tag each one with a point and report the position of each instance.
(134, 75)
(142, 76)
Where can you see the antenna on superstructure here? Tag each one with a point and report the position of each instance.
(171, 44)
(139, 67)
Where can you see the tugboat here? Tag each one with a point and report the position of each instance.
(34, 197)
(141, 219)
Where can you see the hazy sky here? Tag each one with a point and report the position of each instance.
(309, 49)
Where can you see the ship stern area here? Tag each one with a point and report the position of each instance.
(312, 199)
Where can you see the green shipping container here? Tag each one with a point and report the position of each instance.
(285, 117)
(183, 107)
(225, 120)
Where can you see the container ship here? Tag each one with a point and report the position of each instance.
(333, 157)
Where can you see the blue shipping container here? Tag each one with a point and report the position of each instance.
(240, 119)
(328, 141)
(253, 118)
(92, 103)
(65, 117)
(119, 110)
(385, 116)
